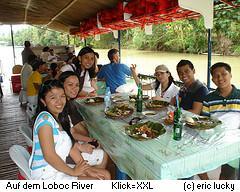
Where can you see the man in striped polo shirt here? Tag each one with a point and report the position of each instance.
(223, 103)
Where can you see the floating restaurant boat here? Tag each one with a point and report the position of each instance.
(88, 18)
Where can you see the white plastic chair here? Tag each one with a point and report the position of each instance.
(20, 157)
(23, 96)
(27, 133)
(30, 111)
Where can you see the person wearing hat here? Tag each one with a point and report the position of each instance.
(164, 85)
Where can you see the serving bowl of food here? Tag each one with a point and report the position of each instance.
(134, 97)
(145, 131)
(94, 100)
(156, 104)
(202, 122)
(118, 111)
(149, 113)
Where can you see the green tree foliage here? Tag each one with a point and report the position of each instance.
(39, 36)
(181, 36)
(226, 29)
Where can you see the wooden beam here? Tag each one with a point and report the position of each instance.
(63, 10)
(26, 10)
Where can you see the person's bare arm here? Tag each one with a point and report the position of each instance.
(134, 73)
(76, 149)
(196, 108)
(137, 80)
(47, 145)
(80, 133)
(87, 94)
(94, 83)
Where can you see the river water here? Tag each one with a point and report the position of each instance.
(146, 61)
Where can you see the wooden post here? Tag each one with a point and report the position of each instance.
(209, 58)
(119, 45)
(14, 55)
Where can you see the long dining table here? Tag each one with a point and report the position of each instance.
(197, 152)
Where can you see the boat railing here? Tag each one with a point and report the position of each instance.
(145, 79)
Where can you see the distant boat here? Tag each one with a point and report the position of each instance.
(215, 54)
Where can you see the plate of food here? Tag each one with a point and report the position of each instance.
(134, 97)
(202, 122)
(121, 110)
(149, 113)
(118, 100)
(116, 96)
(94, 100)
(156, 104)
(145, 131)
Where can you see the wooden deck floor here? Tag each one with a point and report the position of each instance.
(11, 117)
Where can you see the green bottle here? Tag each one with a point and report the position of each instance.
(139, 100)
(177, 126)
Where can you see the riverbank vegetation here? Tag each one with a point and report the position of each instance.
(185, 36)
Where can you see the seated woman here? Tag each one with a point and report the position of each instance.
(85, 66)
(164, 85)
(52, 144)
(77, 127)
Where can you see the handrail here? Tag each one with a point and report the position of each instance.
(151, 77)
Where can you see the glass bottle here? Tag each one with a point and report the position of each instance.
(139, 100)
(177, 126)
(107, 98)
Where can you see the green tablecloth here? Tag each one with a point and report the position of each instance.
(163, 157)
(101, 87)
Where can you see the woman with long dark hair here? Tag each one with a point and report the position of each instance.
(94, 155)
(85, 66)
(52, 144)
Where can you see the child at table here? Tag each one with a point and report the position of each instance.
(223, 103)
(52, 143)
